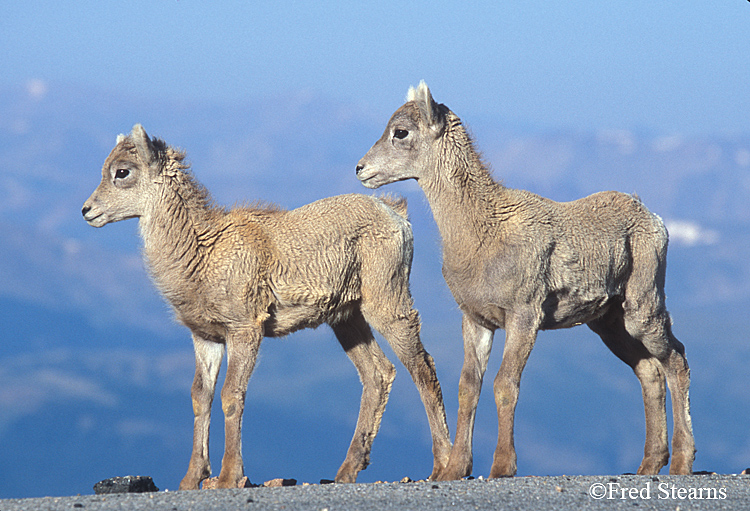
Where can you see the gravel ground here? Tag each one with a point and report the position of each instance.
(696, 492)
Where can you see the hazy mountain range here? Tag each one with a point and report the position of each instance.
(95, 374)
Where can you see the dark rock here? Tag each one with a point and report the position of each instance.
(127, 484)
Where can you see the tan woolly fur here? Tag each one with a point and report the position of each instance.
(520, 262)
(235, 276)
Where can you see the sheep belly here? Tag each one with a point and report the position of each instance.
(565, 309)
(285, 319)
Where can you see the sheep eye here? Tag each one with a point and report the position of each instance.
(121, 173)
(400, 134)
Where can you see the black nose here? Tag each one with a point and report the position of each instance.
(85, 210)
(359, 168)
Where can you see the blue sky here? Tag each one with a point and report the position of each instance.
(669, 66)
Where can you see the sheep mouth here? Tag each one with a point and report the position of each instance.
(372, 178)
(369, 181)
(379, 179)
(96, 219)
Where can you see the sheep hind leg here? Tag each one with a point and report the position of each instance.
(648, 370)
(208, 356)
(376, 374)
(402, 333)
(670, 352)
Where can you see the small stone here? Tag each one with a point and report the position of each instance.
(212, 483)
(127, 484)
(558, 489)
(276, 483)
(746, 471)
(327, 481)
(406, 480)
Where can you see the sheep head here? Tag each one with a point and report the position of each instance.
(408, 147)
(128, 177)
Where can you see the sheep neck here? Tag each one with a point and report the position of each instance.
(469, 206)
(175, 235)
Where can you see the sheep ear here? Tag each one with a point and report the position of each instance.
(143, 144)
(428, 108)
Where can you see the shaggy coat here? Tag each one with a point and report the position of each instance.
(523, 263)
(235, 276)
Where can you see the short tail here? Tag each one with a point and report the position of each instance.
(397, 204)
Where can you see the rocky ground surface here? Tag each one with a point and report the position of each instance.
(579, 493)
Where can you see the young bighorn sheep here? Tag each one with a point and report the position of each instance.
(235, 276)
(524, 263)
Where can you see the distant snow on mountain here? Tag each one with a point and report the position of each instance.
(689, 233)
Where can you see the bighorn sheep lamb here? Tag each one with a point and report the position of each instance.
(235, 276)
(520, 262)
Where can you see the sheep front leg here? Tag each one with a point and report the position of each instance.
(208, 357)
(477, 347)
(519, 341)
(242, 352)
